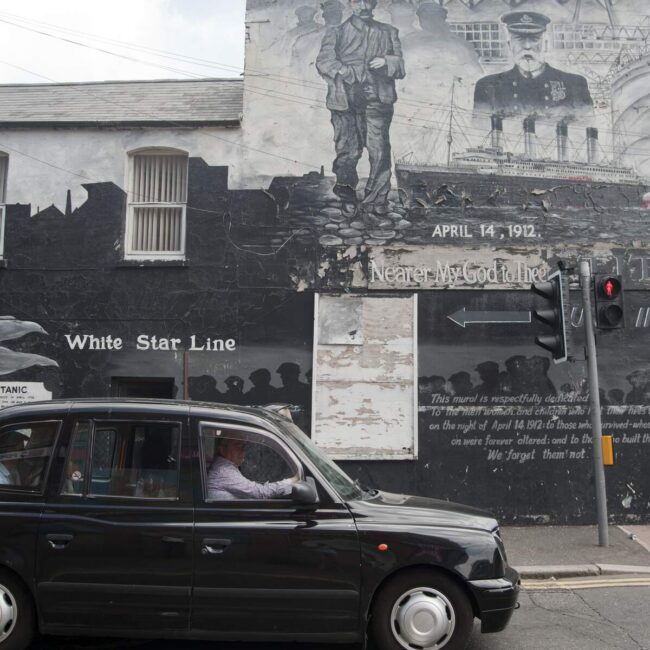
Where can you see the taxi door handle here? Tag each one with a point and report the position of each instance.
(215, 546)
(58, 541)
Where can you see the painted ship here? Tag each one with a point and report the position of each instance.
(490, 175)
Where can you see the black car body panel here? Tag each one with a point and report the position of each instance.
(188, 567)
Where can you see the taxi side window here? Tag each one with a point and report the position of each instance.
(242, 465)
(25, 453)
(128, 459)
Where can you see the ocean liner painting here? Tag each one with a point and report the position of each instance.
(494, 176)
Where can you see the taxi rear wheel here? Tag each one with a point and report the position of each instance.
(421, 609)
(17, 618)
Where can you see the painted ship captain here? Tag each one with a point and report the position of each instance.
(531, 85)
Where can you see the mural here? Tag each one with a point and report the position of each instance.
(505, 416)
(531, 86)
(452, 149)
(449, 144)
(12, 361)
(120, 328)
(448, 111)
(360, 60)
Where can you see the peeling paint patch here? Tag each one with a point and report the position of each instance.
(365, 385)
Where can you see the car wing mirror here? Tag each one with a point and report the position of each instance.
(304, 493)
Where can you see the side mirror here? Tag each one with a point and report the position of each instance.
(304, 493)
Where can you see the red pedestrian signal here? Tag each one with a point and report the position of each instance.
(610, 312)
(609, 288)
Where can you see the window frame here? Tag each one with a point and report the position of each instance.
(90, 450)
(3, 215)
(3, 203)
(18, 489)
(132, 204)
(289, 455)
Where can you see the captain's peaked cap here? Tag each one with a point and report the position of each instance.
(526, 23)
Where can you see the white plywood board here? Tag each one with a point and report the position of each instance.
(364, 405)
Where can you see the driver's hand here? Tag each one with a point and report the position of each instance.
(295, 478)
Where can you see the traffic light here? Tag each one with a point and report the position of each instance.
(610, 312)
(555, 315)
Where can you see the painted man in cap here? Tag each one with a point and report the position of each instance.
(306, 47)
(425, 50)
(532, 85)
(306, 25)
(488, 371)
(234, 393)
(293, 391)
(262, 391)
(360, 60)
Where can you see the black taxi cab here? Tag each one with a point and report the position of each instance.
(162, 519)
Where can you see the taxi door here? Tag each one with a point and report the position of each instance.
(265, 568)
(114, 549)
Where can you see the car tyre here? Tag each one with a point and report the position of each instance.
(421, 609)
(17, 618)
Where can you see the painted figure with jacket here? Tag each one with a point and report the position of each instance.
(360, 60)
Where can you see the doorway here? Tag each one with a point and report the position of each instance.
(143, 387)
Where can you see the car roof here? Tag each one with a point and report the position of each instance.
(141, 405)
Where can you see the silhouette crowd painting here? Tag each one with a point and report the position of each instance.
(528, 375)
(261, 392)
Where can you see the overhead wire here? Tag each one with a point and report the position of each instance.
(271, 93)
(206, 62)
(223, 215)
(268, 92)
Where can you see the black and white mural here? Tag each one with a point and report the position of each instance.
(418, 110)
(467, 147)
(439, 155)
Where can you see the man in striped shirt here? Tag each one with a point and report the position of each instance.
(227, 483)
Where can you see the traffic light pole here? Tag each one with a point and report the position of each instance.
(594, 403)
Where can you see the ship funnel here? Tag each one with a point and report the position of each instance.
(497, 132)
(529, 137)
(592, 145)
(562, 142)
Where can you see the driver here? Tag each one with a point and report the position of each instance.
(226, 482)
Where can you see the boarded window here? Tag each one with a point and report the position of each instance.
(365, 377)
(157, 205)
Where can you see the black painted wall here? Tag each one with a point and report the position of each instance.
(255, 259)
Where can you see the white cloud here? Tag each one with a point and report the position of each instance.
(206, 29)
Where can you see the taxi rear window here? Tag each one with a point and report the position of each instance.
(25, 454)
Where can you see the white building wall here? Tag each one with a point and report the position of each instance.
(45, 163)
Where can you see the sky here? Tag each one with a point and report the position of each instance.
(211, 30)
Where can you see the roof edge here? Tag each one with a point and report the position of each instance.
(76, 124)
(124, 82)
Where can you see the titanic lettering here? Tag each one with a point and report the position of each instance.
(360, 60)
(531, 84)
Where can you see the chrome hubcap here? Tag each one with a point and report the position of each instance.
(423, 618)
(8, 611)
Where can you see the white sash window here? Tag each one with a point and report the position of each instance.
(157, 203)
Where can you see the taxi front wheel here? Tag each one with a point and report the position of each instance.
(421, 609)
(17, 618)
